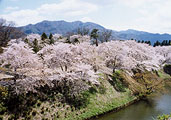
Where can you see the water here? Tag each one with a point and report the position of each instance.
(143, 110)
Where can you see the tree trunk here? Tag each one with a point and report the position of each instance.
(114, 70)
(96, 42)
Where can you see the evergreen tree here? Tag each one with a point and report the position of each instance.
(142, 41)
(149, 42)
(163, 43)
(158, 43)
(50, 36)
(94, 35)
(166, 43)
(35, 46)
(51, 39)
(44, 36)
(169, 42)
(139, 41)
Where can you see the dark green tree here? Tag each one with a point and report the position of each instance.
(157, 43)
(149, 42)
(163, 43)
(50, 36)
(35, 46)
(94, 35)
(167, 43)
(51, 39)
(44, 36)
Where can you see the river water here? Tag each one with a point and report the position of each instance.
(143, 110)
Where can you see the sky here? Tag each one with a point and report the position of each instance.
(144, 15)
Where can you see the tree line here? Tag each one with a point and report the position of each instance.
(163, 43)
(157, 43)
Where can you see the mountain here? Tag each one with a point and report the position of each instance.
(141, 35)
(62, 27)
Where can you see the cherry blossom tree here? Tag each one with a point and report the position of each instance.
(59, 55)
(19, 57)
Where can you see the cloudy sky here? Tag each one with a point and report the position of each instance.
(147, 15)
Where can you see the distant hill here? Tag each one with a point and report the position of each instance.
(62, 27)
(141, 35)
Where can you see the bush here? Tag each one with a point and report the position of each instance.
(167, 69)
(118, 82)
(164, 117)
(79, 100)
(2, 109)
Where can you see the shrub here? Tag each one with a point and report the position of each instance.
(2, 109)
(167, 69)
(79, 100)
(118, 81)
(164, 117)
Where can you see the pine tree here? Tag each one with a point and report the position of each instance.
(163, 43)
(44, 36)
(149, 42)
(166, 43)
(169, 42)
(94, 35)
(51, 39)
(158, 43)
(50, 36)
(35, 46)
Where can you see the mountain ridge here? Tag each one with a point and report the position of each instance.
(63, 27)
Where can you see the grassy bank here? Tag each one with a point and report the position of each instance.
(100, 100)
(111, 95)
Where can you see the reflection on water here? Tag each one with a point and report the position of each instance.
(143, 110)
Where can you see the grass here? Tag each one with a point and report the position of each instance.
(102, 103)
(163, 75)
(164, 117)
